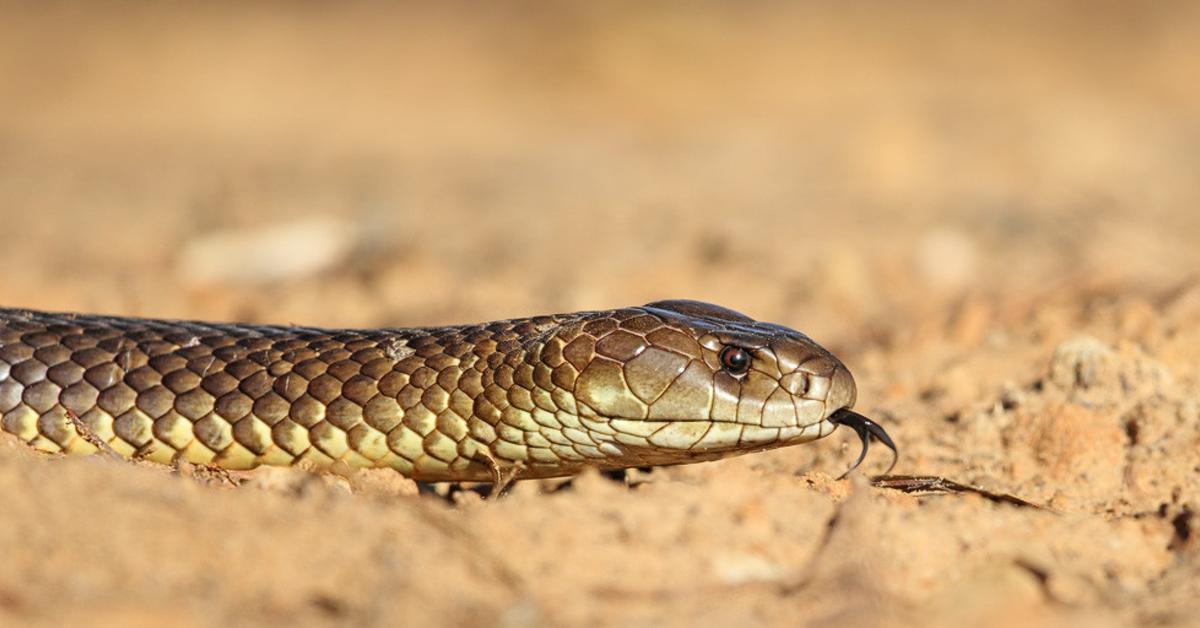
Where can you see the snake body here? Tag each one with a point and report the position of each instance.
(531, 397)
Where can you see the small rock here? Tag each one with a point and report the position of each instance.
(1081, 363)
(269, 253)
(742, 567)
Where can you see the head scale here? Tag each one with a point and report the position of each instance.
(678, 381)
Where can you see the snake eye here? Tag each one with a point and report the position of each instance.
(735, 360)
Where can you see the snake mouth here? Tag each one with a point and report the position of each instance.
(685, 439)
(865, 428)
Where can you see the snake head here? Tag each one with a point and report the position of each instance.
(680, 381)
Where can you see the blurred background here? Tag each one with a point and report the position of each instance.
(948, 195)
(836, 168)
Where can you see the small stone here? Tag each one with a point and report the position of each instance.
(269, 253)
(1081, 362)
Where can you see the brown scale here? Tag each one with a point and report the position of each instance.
(532, 397)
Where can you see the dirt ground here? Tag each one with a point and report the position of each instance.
(991, 212)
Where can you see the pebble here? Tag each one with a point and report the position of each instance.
(263, 254)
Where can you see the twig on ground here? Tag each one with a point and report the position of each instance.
(938, 484)
(86, 433)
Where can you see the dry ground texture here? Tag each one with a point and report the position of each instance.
(990, 211)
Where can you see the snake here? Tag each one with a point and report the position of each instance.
(666, 383)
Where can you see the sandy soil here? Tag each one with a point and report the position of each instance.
(992, 215)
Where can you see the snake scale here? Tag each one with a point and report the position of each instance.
(666, 383)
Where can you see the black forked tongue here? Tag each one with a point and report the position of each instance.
(865, 428)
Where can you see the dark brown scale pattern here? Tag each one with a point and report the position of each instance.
(241, 395)
(433, 403)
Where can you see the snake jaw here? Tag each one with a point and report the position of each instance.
(865, 428)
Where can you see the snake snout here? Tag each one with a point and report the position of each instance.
(842, 390)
